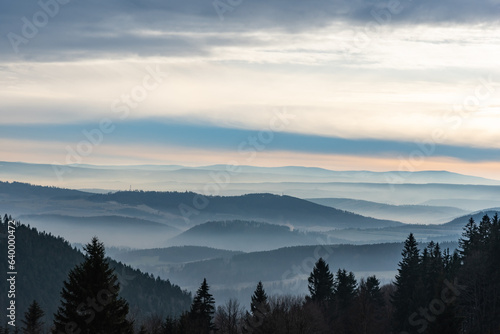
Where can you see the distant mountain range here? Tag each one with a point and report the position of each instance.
(160, 219)
(303, 182)
(151, 219)
(176, 173)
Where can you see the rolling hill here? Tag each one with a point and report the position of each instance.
(275, 209)
(246, 236)
(408, 214)
(477, 216)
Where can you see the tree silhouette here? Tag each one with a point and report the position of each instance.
(259, 307)
(321, 282)
(259, 299)
(90, 302)
(404, 299)
(202, 310)
(480, 275)
(32, 319)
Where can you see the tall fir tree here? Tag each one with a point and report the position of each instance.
(202, 310)
(259, 300)
(372, 287)
(90, 302)
(344, 288)
(259, 308)
(32, 322)
(405, 299)
(321, 283)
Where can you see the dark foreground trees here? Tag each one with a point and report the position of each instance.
(90, 303)
(480, 276)
(442, 293)
(434, 292)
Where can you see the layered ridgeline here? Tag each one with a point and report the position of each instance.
(408, 214)
(139, 219)
(194, 208)
(43, 262)
(427, 187)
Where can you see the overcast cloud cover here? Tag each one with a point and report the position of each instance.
(388, 74)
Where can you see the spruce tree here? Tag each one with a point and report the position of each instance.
(405, 299)
(90, 302)
(32, 323)
(344, 288)
(202, 310)
(469, 237)
(372, 286)
(259, 307)
(321, 282)
(259, 300)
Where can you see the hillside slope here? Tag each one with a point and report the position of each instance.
(43, 262)
(408, 214)
(259, 207)
(246, 236)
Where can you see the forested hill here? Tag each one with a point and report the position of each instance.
(43, 262)
(247, 236)
(24, 190)
(477, 216)
(264, 207)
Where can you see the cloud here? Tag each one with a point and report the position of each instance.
(363, 77)
(90, 29)
(170, 133)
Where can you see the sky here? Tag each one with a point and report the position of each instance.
(344, 85)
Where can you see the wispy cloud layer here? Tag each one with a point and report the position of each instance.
(361, 78)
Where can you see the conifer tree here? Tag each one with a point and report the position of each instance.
(480, 275)
(372, 286)
(169, 326)
(259, 299)
(202, 310)
(344, 288)
(469, 237)
(369, 307)
(321, 282)
(32, 323)
(90, 302)
(259, 307)
(405, 299)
